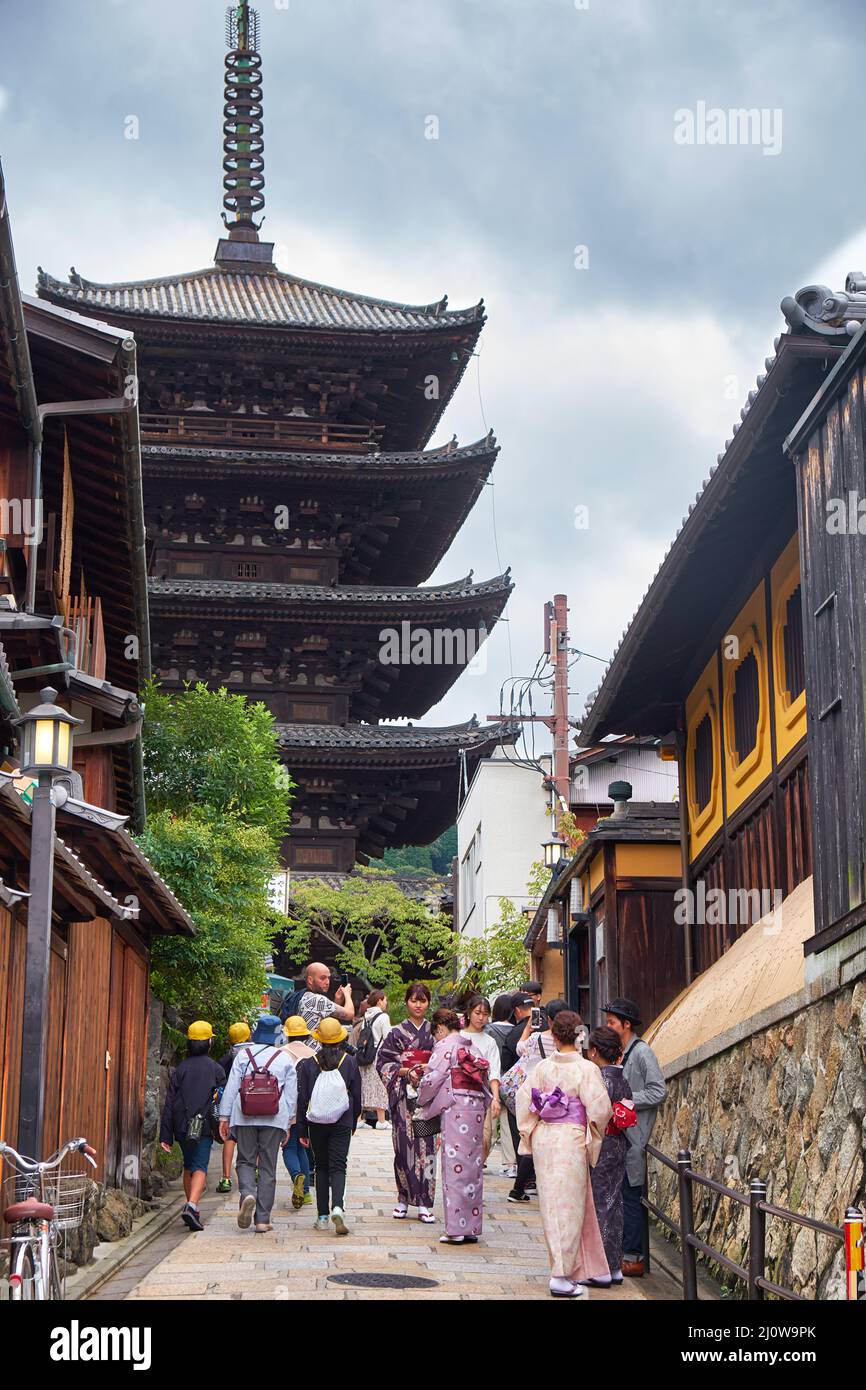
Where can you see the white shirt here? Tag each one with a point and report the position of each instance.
(489, 1048)
(380, 1024)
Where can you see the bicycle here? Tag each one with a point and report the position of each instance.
(46, 1203)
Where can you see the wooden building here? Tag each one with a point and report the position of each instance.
(294, 511)
(714, 662)
(602, 927)
(828, 448)
(73, 615)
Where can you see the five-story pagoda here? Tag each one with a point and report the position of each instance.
(293, 512)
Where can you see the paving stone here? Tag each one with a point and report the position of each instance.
(293, 1263)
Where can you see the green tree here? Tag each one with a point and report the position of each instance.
(219, 807)
(381, 935)
(433, 858)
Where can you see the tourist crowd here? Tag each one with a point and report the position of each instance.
(574, 1109)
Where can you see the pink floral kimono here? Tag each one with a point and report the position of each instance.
(562, 1113)
(455, 1086)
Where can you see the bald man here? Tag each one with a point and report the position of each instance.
(314, 1004)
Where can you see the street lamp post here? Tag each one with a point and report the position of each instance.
(46, 754)
(554, 852)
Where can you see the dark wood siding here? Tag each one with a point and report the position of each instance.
(766, 850)
(651, 949)
(830, 468)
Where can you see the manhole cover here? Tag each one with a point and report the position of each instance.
(384, 1281)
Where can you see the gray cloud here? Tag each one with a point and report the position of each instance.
(609, 387)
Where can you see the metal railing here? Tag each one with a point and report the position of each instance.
(753, 1273)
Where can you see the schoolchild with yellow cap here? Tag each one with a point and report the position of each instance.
(239, 1034)
(186, 1115)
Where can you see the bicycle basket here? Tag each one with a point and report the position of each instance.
(65, 1192)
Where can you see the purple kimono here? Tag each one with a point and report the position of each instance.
(462, 1110)
(607, 1175)
(414, 1159)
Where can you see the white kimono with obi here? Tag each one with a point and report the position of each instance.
(563, 1153)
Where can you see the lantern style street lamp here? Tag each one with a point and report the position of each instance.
(46, 738)
(46, 755)
(554, 852)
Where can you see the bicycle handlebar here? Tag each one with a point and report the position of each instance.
(30, 1165)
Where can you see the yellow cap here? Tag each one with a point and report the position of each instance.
(238, 1033)
(199, 1031)
(296, 1027)
(330, 1031)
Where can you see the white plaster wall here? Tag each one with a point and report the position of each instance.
(509, 803)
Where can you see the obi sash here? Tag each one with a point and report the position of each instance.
(470, 1072)
(555, 1107)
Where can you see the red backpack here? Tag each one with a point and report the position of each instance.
(260, 1089)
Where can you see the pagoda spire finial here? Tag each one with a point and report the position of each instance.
(243, 145)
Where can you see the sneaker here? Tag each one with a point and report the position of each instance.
(298, 1192)
(190, 1217)
(339, 1224)
(517, 1196)
(531, 1190)
(245, 1211)
(224, 1185)
(308, 1199)
(506, 1172)
(322, 1224)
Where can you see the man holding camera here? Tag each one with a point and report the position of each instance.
(313, 1003)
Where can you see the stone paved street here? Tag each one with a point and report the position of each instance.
(294, 1262)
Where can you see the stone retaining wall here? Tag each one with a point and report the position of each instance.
(785, 1104)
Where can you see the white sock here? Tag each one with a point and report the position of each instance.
(558, 1285)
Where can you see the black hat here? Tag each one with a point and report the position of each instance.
(521, 1000)
(626, 1009)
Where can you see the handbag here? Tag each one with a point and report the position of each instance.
(514, 1078)
(623, 1117)
(426, 1128)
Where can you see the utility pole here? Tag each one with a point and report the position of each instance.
(557, 621)
(556, 650)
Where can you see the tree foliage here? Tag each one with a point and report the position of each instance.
(209, 747)
(380, 934)
(435, 858)
(219, 806)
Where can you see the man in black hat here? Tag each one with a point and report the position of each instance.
(648, 1088)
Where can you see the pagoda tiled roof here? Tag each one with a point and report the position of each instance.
(348, 594)
(390, 737)
(268, 298)
(451, 455)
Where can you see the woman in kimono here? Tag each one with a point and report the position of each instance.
(456, 1086)
(562, 1111)
(414, 1159)
(605, 1050)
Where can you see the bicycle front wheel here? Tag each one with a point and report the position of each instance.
(22, 1280)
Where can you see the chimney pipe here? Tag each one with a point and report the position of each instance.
(620, 795)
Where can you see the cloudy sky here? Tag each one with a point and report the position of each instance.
(611, 385)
